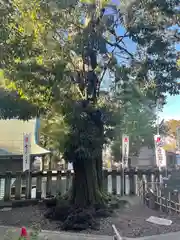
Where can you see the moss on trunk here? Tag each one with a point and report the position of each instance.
(87, 185)
(78, 209)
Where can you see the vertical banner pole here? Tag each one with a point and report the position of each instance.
(27, 156)
(125, 156)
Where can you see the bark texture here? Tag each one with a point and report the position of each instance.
(87, 183)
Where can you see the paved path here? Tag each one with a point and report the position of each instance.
(132, 200)
(72, 236)
(167, 236)
(12, 233)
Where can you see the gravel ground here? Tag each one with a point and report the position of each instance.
(129, 221)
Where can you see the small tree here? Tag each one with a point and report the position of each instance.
(138, 122)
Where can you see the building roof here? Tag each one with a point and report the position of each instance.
(11, 137)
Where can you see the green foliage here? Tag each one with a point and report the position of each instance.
(48, 46)
(138, 121)
(13, 103)
(149, 24)
(53, 132)
(60, 129)
(36, 63)
(172, 126)
(171, 147)
(13, 106)
(170, 132)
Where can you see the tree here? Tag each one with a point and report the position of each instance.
(154, 66)
(172, 126)
(171, 134)
(39, 64)
(138, 122)
(58, 56)
(13, 104)
(53, 132)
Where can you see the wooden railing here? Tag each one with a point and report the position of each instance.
(47, 184)
(159, 196)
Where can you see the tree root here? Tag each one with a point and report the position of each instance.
(77, 218)
(80, 219)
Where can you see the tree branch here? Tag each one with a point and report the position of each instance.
(120, 48)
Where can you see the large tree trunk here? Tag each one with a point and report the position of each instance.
(99, 160)
(86, 188)
(86, 195)
(99, 169)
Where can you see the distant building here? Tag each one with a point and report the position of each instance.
(11, 145)
(147, 159)
(178, 158)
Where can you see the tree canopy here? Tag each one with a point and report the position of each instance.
(172, 126)
(42, 45)
(171, 133)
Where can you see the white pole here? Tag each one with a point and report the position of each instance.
(157, 123)
(117, 235)
(157, 113)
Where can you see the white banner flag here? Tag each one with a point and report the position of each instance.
(159, 152)
(125, 150)
(26, 152)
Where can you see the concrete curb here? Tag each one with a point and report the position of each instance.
(73, 235)
(164, 236)
(14, 233)
(59, 235)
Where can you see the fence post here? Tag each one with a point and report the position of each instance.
(122, 176)
(105, 180)
(153, 181)
(174, 199)
(157, 175)
(28, 184)
(49, 183)
(39, 186)
(148, 177)
(160, 199)
(7, 190)
(68, 180)
(58, 183)
(165, 195)
(152, 200)
(18, 186)
(114, 182)
(123, 181)
(139, 181)
(144, 192)
(169, 202)
(132, 181)
(144, 177)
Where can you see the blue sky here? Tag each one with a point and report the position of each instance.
(172, 109)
